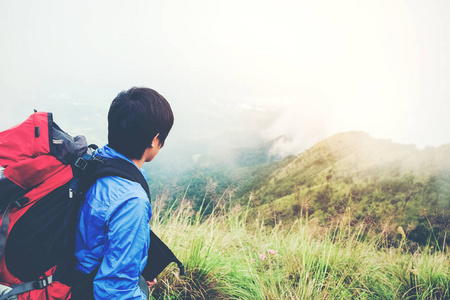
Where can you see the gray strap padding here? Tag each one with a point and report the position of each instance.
(4, 229)
(5, 222)
(27, 286)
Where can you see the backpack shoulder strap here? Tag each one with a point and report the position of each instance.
(94, 168)
(117, 167)
(161, 255)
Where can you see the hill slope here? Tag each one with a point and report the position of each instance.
(369, 180)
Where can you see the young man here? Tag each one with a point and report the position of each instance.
(113, 233)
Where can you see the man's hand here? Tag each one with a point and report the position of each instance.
(151, 283)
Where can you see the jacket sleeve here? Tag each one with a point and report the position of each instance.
(125, 252)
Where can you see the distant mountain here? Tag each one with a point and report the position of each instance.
(369, 180)
(252, 156)
(352, 175)
(203, 178)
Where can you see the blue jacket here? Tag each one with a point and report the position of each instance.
(114, 232)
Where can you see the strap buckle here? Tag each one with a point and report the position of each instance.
(20, 202)
(98, 158)
(42, 283)
(81, 163)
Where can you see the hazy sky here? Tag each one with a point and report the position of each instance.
(235, 72)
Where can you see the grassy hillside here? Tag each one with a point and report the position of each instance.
(375, 182)
(230, 255)
(351, 218)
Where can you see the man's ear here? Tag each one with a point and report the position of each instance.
(155, 141)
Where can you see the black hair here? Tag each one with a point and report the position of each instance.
(135, 117)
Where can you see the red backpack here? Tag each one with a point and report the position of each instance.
(43, 174)
(38, 159)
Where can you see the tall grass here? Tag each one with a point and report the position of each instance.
(227, 257)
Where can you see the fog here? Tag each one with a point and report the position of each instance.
(237, 73)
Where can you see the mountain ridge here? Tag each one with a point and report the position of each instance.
(372, 181)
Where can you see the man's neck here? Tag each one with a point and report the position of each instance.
(138, 162)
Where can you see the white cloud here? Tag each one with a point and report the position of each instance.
(378, 66)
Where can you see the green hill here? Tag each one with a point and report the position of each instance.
(368, 180)
(320, 225)
(349, 175)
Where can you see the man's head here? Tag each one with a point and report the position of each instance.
(135, 118)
